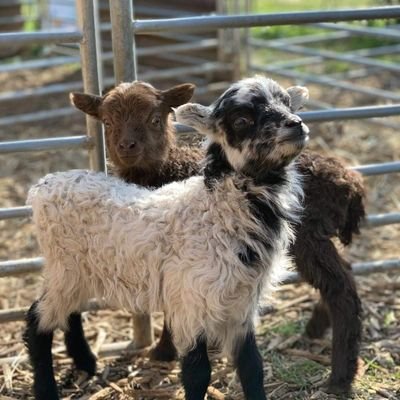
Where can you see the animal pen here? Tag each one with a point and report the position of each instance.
(132, 38)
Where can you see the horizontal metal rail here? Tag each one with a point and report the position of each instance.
(310, 39)
(22, 266)
(378, 169)
(355, 57)
(8, 3)
(363, 268)
(372, 220)
(247, 21)
(15, 212)
(42, 37)
(58, 143)
(350, 113)
(328, 81)
(196, 69)
(17, 19)
(334, 115)
(40, 63)
(37, 116)
(362, 30)
(108, 56)
(376, 220)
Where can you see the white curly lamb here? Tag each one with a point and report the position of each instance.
(201, 250)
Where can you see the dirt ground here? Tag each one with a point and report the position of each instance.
(295, 367)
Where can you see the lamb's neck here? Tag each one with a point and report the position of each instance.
(218, 167)
(178, 164)
(151, 175)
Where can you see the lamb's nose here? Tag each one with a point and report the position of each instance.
(127, 145)
(293, 122)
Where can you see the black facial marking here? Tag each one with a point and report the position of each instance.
(217, 165)
(264, 113)
(248, 256)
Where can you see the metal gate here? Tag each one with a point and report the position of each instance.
(124, 30)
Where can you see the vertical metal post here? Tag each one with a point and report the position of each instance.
(125, 70)
(123, 41)
(236, 43)
(99, 50)
(249, 8)
(86, 21)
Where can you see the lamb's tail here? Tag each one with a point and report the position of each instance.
(354, 217)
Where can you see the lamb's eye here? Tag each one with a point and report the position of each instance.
(107, 124)
(156, 121)
(242, 122)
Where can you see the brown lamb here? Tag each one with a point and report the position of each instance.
(141, 146)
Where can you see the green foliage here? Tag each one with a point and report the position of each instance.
(289, 328)
(297, 372)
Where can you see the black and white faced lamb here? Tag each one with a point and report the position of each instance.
(201, 250)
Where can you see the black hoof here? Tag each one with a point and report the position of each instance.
(337, 388)
(160, 353)
(86, 364)
(315, 330)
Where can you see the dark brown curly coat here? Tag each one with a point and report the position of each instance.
(141, 146)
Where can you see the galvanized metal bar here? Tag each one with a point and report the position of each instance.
(351, 113)
(335, 114)
(362, 268)
(243, 21)
(375, 220)
(328, 81)
(378, 169)
(179, 71)
(91, 82)
(361, 30)
(15, 212)
(37, 116)
(22, 266)
(17, 19)
(98, 46)
(178, 47)
(41, 91)
(362, 73)
(125, 70)
(354, 58)
(42, 37)
(299, 40)
(40, 63)
(321, 105)
(59, 143)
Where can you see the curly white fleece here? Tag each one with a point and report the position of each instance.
(174, 249)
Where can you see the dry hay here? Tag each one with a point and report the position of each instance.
(295, 367)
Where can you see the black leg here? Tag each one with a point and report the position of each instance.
(196, 371)
(249, 366)
(39, 349)
(165, 349)
(319, 321)
(320, 265)
(345, 309)
(77, 346)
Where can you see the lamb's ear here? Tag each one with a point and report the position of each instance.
(178, 95)
(298, 96)
(88, 103)
(196, 116)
